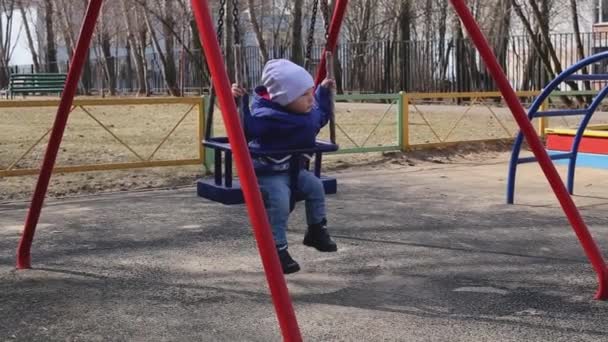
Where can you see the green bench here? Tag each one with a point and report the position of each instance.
(42, 83)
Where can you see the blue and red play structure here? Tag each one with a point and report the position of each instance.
(573, 146)
(593, 148)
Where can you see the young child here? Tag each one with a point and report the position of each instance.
(287, 113)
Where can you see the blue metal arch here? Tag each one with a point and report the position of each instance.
(534, 110)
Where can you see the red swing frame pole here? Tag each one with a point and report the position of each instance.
(578, 225)
(332, 39)
(61, 119)
(244, 165)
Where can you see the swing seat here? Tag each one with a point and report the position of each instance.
(223, 189)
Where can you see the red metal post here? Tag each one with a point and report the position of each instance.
(86, 32)
(581, 230)
(332, 38)
(251, 191)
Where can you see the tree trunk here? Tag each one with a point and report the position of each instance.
(129, 72)
(536, 42)
(427, 54)
(405, 18)
(529, 67)
(462, 81)
(142, 40)
(296, 34)
(171, 87)
(228, 40)
(259, 35)
(5, 40)
(170, 68)
(201, 70)
(68, 34)
(86, 74)
(108, 61)
(538, 46)
(135, 51)
(500, 42)
(544, 29)
(28, 34)
(362, 43)
(51, 50)
(577, 36)
(443, 56)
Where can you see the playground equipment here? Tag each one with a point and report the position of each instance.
(238, 143)
(557, 141)
(593, 148)
(527, 130)
(221, 187)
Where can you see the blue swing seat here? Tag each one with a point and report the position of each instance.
(224, 189)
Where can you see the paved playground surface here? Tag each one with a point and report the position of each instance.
(428, 252)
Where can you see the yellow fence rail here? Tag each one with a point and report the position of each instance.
(194, 104)
(442, 135)
(423, 120)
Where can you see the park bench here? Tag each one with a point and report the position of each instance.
(42, 83)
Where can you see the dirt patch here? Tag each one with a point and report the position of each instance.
(72, 184)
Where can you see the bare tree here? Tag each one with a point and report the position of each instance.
(405, 23)
(443, 51)
(169, 81)
(6, 36)
(51, 50)
(65, 14)
(499, 33)
(279, 38)
(170, 28)
(137, 48)
(229, 40)
(104, 52)
(296, 33)
(141, 37)
(28, 35)
(259, 35)
(543, 21)
(168, 9)
(542, 44)
(359, 23)
(577, 36)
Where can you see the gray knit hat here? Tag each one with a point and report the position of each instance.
(285, 81)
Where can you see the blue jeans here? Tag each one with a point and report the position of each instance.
(277, 193)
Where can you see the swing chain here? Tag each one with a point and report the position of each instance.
(236, 21)
(220, 21)
(211, 102)
(311, 32)
(325, 10)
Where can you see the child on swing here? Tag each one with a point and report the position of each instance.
(287, 113)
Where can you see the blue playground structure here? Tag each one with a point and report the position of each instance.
(570, 157)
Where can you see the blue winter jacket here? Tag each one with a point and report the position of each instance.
(272, 127)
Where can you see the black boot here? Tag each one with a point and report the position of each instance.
(287, 263)
(318, 237)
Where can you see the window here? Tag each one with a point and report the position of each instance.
(602, 11)
(600, 67)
